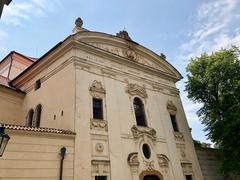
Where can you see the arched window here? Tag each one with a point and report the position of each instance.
(139, 112)
(37, 116)
(29, 118)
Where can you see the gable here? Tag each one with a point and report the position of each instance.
(13, 64)
(129, 50)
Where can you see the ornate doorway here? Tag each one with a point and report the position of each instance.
(151, 177)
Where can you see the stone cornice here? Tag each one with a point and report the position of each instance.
(103, 38)
(73, 44)
(122, 60)
(84, 65)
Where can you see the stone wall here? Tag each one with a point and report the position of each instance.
(210, 162)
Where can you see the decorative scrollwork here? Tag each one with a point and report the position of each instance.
(149, 165)
(97, 87)
(99, 125)
(179, 136)
(139, 131)
(99, 147)
(133, 159)
(100, 166)
(162, 160)
(187, 168)
(134, 89)
(171, 107)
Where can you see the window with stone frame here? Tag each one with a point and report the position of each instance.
(97, 108)
(174, 123)
(100, 177)
(139, 112)
(188, 177)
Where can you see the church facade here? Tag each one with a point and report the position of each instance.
(111, 103)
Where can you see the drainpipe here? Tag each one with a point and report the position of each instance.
(62, 153)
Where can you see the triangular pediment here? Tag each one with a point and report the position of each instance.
(128, 49)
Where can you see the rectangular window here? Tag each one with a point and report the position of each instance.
(188, 177)
(100, 177)
(174, 123)
(37, 84)
(97, 108)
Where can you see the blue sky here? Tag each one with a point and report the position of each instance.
(179, 29)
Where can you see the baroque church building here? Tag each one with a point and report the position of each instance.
(94, 107)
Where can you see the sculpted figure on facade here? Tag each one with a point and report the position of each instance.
(130, 52)
(124, 35)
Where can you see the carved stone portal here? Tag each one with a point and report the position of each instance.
(134, 89)
(139, 131)
(151, 173)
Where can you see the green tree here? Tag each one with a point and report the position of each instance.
(214, 81)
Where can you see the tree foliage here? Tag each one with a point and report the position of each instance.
(214, 81)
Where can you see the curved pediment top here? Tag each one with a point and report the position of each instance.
(128, 49)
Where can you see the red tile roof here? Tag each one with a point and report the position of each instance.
(4, 81)
(35, 129)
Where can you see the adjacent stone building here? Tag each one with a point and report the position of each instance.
(109, 101)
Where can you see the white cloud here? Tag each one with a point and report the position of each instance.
(3, 38)
(216, 26)
(212, 29)
(19, 11)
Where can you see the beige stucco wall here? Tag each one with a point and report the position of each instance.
(100, 147)
(118, 112)
(55, 95)
(33, 155)
(10, 106)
